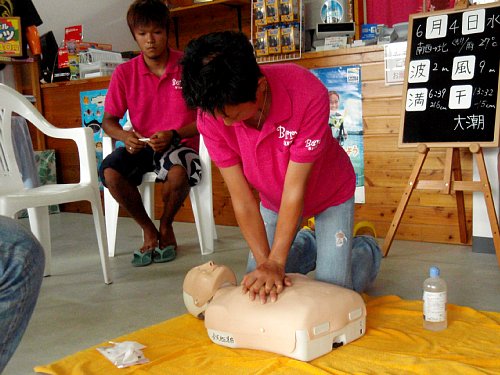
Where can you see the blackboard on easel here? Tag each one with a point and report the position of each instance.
(450, 95)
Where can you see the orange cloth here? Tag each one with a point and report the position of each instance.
(395, 343)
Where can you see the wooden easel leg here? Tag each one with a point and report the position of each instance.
(490, 205)
(459, 196)
(412, 182)
(448, 169)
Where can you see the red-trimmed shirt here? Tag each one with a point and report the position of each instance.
(296, 129)
(154, 103)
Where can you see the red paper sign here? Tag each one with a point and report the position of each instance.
(73, 33)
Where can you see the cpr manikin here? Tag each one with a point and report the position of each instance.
(307, 321)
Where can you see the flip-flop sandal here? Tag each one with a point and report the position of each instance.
(164, 255)
(142, 259)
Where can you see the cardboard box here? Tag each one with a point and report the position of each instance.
(290, 39)
(369, 31)
(272, 11)
(259, 11)
(289, 10)
(261, 47)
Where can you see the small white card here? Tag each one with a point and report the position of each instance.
(335, 42)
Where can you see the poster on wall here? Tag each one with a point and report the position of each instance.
(92, 109)
(10, 36)
(346, 116)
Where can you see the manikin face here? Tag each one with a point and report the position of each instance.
(202, 282)
(152, 40)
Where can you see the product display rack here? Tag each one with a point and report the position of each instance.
(277, 30)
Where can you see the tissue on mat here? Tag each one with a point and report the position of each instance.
(124, 354)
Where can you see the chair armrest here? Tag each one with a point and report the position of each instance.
(87, 154)
(108, 145)
(84, 140)
(14, 102)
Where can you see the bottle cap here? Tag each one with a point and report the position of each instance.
(434, 271)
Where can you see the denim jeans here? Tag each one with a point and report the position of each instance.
(22, 263)
(331, 250)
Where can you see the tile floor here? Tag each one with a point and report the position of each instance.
(76, 309)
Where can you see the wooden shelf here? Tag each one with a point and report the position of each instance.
(16, 60)
(179, 12)
(76, 82)
(26, 82)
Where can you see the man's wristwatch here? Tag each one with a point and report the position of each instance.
(176, 138)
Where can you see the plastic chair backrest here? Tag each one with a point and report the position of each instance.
(10, 177)
(12, 101)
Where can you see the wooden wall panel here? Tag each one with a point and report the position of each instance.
(348, 56)
(220, 17)
(381, 107)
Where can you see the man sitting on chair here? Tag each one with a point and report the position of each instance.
(164, 137)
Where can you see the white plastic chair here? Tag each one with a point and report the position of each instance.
(200, 196)
(14, 196)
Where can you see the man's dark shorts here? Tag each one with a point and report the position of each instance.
(134, 166)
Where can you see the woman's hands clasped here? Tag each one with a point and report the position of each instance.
(267, 280)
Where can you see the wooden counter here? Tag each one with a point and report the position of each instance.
(430, 217)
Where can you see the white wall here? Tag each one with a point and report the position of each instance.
(103, 20)
(481, 226)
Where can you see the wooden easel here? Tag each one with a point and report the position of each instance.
(417, 120)
(452, 183)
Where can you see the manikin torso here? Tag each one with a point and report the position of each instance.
(307, 320)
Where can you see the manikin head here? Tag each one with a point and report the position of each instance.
(201, 283)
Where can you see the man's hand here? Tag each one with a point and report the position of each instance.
(132, 142)
(161, 140)
(268, 279)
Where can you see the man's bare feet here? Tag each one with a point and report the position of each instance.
(167, 236)
(150, 240)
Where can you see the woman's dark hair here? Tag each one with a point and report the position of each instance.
(146, 12)
(219, 69)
